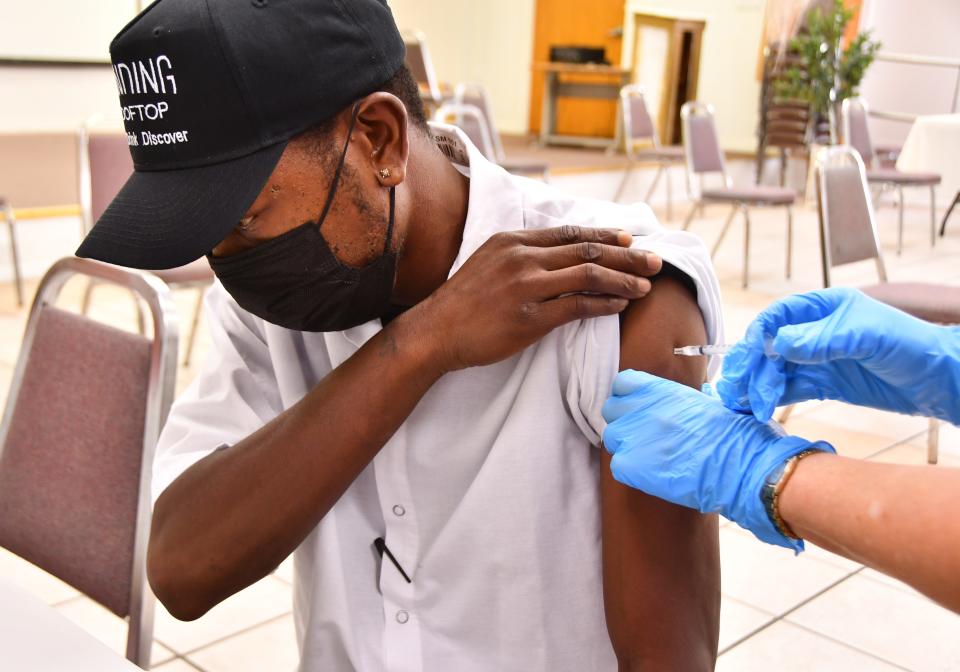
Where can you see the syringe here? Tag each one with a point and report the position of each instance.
(720, 350)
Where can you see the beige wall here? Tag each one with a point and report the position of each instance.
(487, 41)
(728, 64)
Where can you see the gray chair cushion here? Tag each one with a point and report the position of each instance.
(755, 195)
(893, 176)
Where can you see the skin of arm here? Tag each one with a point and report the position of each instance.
(900, 520)
(661, 562)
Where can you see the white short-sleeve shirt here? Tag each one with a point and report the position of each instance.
(488, 494)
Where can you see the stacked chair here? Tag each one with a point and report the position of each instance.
(643, 143)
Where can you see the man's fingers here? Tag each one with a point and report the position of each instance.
(594, 279)
(638, 262)
(570, 235)
(579, 307)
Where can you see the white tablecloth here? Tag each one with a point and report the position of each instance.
(933, 145)
(36, 638)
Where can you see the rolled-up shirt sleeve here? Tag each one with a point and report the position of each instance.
(234, 394)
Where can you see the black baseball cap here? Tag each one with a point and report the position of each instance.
(211, 91)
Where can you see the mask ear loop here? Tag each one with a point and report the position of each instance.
(393, 203)
(336, 175)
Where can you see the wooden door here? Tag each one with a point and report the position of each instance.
(573, 22)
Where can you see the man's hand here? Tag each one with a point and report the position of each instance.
(519, 286)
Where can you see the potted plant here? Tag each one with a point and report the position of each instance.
(827, 73)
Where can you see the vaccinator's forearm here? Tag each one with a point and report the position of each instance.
(901, 520)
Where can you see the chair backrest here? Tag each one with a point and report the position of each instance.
(848, 231)
(476, 94)
(856, 129)
(421, 66)
(105, 166)
(39, 170)
(701, 146)
(637, 123)
(83, 414)
(470, 120)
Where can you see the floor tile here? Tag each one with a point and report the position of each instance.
(285, 570)
(915, 453)
(28, 576)
(768, 577)
(738, 620)
(108, 628)
(786, 648)
(272, 646)
(905, 629)
(848, 442)
(264, 600)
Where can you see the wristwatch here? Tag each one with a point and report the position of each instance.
(774, 484)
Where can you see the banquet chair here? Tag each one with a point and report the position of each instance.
(476, 95)
(421, 67)
(856, 133)
(105, 166)
(471, 120)
(848, 234)
(638, 127)
(77, 439)
(704, 158)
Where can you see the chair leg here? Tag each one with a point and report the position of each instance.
(14, 252)
(723, 231)
(193, 327)
(653, 185)
(943, 226)
(900, 221)
(693, 212)
(783, 167)
(933, 216)
(669, 193)
(789, 242)
(746, 248)
(933, 442)
(623, 183)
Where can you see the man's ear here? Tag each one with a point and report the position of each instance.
(380, 137)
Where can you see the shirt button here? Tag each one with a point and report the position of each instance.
(399, 510)
(402, 617)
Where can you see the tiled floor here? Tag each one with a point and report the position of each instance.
(815, 612)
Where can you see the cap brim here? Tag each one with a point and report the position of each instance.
(168, 218)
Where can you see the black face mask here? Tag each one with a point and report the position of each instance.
(296, 281)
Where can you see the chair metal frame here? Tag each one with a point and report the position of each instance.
(460, 93)
(160, 392)
(695, 192)
(628, 94)
(6, 212)
(846, 107)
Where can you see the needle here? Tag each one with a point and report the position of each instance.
(721, 350)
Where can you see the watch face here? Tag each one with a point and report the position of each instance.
(775, 474)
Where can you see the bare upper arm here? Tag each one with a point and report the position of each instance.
(661, 561)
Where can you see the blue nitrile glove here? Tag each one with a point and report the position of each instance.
(841, 344)
(686, 447)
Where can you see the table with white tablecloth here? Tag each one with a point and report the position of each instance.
(933, 146)
(35, 637)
